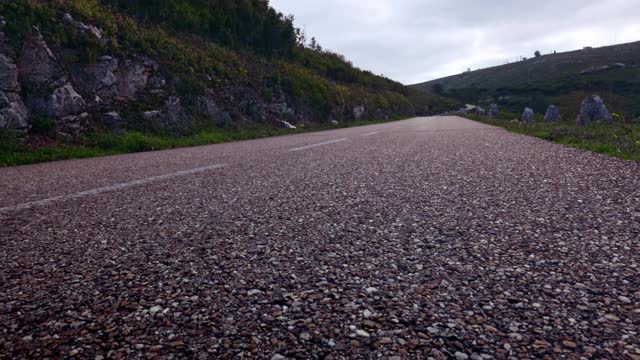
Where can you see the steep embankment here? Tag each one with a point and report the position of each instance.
(563, 78)
(176, 67)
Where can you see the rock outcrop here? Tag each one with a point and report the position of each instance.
(285, 125)
(111, 121)
(174, 113)
(171, 116)
(64, 101)
(152, 116)
(77, 96)
(552, 114)
(70, 127)
(49, 91)
(602, 68)
(593, 109)
(280, 109)
(98, 78)
(8, 74)
(111, 79)
(40, 70)
(83, 28)
(13, 111)
(494, 111)
(208, 107)
(527, 115)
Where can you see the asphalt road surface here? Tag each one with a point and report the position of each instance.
(433, 237)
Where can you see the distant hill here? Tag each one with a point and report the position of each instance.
(562, 78)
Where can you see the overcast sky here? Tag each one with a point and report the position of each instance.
(413, 41)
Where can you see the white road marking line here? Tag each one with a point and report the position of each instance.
(105, 189)
(373, 133)
(316, 145)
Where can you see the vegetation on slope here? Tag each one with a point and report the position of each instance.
(239, 24)
(428, 104)
(622, 139)
(235, 42)
(227, 47)
(16, 151)
(559, 79)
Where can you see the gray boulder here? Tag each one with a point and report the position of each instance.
(588, 71)
(358, 112)
(527, 115)
(82, 27)
(174, 113)
(132, 77)
(285, 125)
(61, 102)
(49, 91)
(39, 69)
(111, 79)
(157, 82)
(171, 116)
(13, 112)
(70, 127)
(207, 106)
(593, 109)
(280, 109)
(67, 18)
(8, 74)
(602, 68)
(5, 48)
(111, 120)
(552, 114)
(98, 78)
(494, 111)
(152, 115)
(89, 29)
(64, 101)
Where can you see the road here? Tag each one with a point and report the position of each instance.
(435, 237)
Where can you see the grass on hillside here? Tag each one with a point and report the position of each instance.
(621, 140)
(14, 152)
(321, 81)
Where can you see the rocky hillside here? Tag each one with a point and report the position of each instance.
(562, 78)
(174, 67)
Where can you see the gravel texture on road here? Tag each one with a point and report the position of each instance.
(432, 237)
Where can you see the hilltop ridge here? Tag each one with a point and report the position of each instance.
(561, 78)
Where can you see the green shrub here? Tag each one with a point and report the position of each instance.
(105, 141)
(42, 125)
(138, 142)
(9, 141)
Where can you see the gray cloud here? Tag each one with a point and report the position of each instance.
(418, 40)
